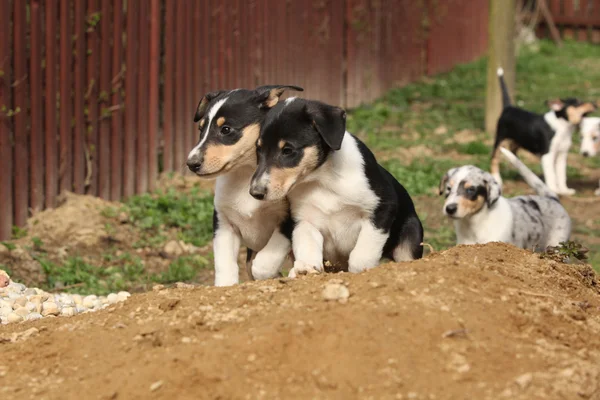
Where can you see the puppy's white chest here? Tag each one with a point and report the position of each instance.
(338, 222)
(255, 220)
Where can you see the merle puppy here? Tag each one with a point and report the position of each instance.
(347, 208)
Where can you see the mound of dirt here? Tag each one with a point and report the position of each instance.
(486, 322)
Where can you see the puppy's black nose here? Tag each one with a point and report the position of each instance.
(451, 209)
(194, 164)
(586, 154)
(258, 192)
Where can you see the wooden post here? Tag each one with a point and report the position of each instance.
(501, 53)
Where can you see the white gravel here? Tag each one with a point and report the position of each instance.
(19, 303)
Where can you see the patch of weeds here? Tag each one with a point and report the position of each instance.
(421, 176)
(190, 213)
(9, 246)
(18, 232)
(76, 275)
(109, 212)
(37, 243)
(182, 269)
(569, 252)
(473, 148)
(6, 269)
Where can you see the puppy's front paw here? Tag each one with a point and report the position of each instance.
(567, 192)
(302, 268)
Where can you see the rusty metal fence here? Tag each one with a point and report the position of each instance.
(97, 96)
(575, 19)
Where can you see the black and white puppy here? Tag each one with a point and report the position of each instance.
(482, 215)
(548, 135)
(230, 123)
(347, 209)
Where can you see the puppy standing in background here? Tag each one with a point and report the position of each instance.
(347, 208)
(230, 123)
(548, 136)
(482, 215)
(590, 139)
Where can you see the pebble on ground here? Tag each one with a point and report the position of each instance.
(19, 303)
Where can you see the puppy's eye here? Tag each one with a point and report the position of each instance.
(286, 151)
(470, 191)
(225, 130)
(595, 137)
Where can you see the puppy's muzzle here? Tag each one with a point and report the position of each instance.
(258, 191)
(194, 163)
(451, 208)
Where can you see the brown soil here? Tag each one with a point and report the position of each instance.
(484, 322)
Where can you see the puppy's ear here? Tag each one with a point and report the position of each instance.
(555, 104)
(201, 109)
(269, 95)
(329, 121)
(444, 181)
(494, 191)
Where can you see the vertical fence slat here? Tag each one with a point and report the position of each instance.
(153, 106)
(168, 89)
(142, 108)
(103, 100)
(20, 95)
(6, 165)
(79, 133)
(50, 133)
(189, 79)
(65, 159)
(36, 148)
(129, 155)
(116, 142)
(178, 112)
(92, 94)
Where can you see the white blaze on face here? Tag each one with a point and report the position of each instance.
(211, 114)
(590, 136)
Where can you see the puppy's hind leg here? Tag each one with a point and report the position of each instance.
(495, 164)
(409, 245)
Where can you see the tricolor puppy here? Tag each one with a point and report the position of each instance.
(590, 139)
(548, 135)
(347, 209)
(229, 124)
(482, 215)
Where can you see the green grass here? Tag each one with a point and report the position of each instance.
(190, 213)
(76, 275)
(455, 101)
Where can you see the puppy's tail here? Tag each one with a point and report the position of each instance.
(532, 179)
(505, 96)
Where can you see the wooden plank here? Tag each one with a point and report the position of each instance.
(142, 108)
(6, 148)
(118, 78)
(20, 96)
(92, 95)
(65, 171)
(179, 111)
(79, 165)
(129, 155)
(576, 20)
(103, 101)
(169, 83)
(36, 143)
(153, 95)
(50, 133)
(189, 80)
